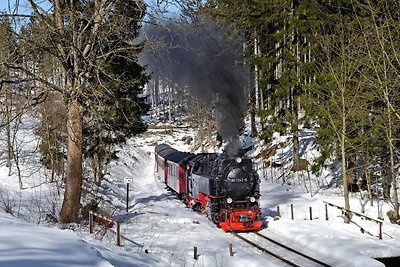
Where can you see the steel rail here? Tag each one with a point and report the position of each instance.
(266, 250)
(293, 250)
(281, 245)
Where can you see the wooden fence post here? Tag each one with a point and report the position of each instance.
(195, 255)
(90, 221)
(230, 250)
(118, 235)
(291, 211)
(310, 213)
(278, 210)
(326, 212)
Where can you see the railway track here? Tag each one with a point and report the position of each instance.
(278, 250)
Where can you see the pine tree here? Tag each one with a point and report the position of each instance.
(280, 33)
(286, 66)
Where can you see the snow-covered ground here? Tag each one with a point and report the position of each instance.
(158, 230)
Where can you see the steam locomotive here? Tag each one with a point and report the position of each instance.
(225, 189)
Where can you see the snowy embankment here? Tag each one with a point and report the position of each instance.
(337, 243)
(30, 245)
(158, 230)
(340, 244)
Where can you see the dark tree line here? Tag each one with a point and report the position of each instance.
(331, 66)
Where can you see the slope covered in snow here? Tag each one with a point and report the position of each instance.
(30, 245)
(158, 230)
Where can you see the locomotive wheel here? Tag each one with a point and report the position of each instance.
(213, 215)
(216, 218)
(196, 207)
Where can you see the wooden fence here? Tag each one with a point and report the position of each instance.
(379, 222)
(106, 223)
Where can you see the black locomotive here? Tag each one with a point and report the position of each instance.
(225, 189)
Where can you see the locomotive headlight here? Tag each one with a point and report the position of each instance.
(252, 199)
(229, 200)
(238, 159)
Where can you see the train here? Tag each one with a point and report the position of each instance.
(226, 189)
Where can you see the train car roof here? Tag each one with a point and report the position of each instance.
(164, 150)
(161, 147)
(171, 154)
(178, 156)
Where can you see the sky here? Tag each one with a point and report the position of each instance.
(23, 3)
(22, 6)
(158, 230)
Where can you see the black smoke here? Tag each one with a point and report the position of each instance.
(204, 59)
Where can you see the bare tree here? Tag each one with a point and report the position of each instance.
(382, 67)
(83, 37)
(341, 106)
(11, 93)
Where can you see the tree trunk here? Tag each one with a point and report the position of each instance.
(156, 97)
(7, 122)
(385, 176)
(296, 146)
(392, 169)
(369, 187)
(295, 129)
(344, 168)
(252, 111)
(252, 84)
(73, 182)
(296, 104)
(256, 87)
(345, 184)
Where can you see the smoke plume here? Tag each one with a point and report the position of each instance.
(204, 59)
